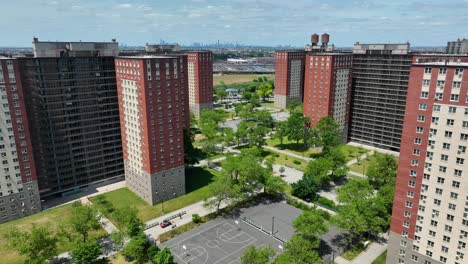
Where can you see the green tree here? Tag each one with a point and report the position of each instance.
(307, 187)
(264, 118)
(281, 132)
(382, 170)
(164, 257)
(85, 252)
(361, 212)
(252, 255)
(299, 250)
(310, 225)
(221, 94)
(296, 128)
(264, 90)
(326, 134)
(274, 185)
(254, 100)
(222, 190)
(136, 249)
(37, 245)
(128, 221)
(294, 106)
(338, 163)
(84, 219)
(152, 251)
(320, 169)
(209, 122)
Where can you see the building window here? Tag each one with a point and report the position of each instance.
(450, 122)
(454, 97)
(422, 106)
(421, 129)
(448, 134)
(424, 95)
(427, 70)
(460, 161)
(437, 108)
(421, 118)
(416, 152)
(456, 85)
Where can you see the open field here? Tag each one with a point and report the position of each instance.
(238, 78)
(51, 218)
(197, 181)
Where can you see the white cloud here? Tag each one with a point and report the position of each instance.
(126, 5)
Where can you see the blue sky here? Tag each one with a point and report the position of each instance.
(262, 22)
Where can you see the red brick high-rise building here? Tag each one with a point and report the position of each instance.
(289, 77)
(153, 105)
(200, 80)
(430, 210)
(327, 87)
(19, 192)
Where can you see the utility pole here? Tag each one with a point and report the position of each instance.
(273, 226)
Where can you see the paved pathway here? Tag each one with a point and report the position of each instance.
(290, 175)
(357, 174)
(196, 208)
(369, 255)
(285, 152)
(394, 153)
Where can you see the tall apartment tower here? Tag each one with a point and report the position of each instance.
(327, 87)
(153, 103)
(380, 83)
(71, 99)
(289, 77)
(460, 46)
(430, 211)
(200, 80)
(19, 192)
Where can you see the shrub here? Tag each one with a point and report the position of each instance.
(298, 162)
(326, 202)
(276, 155)
(196, 218)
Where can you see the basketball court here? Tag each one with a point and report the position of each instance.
(225, 239)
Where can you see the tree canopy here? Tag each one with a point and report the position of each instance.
(326, 134)
(37, 245)
(253, 255)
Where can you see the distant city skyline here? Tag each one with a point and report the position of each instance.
(260, 22)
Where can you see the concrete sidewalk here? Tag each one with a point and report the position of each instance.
(369, 255)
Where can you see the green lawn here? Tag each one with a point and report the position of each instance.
(239, 78)
(282, 159)
(197, 181)
(51, 218)
(362, 165)
(381, 259)
(293, 147)
(353, 252)
(351, 152)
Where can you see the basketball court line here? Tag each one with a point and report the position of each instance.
(250, 240)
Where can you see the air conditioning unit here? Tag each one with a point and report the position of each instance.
(436, 123)
(459, 152)
(457, 258)
(424, 201)
(432, 146)
(461, 236)
(428, 169)
(430, 158)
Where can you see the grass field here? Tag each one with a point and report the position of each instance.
(381, 259)
(363, 165)
(288, 160)
(293, 147)
(197, 181)
(238, 78)
(351, 152)
(51, 218)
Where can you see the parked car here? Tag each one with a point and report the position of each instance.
(165, 223)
